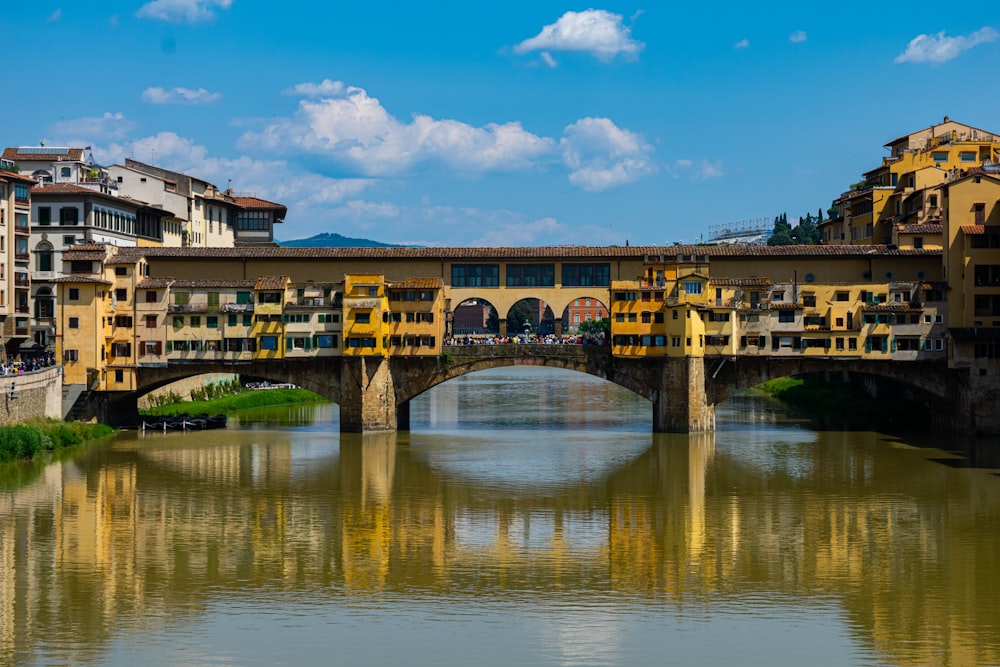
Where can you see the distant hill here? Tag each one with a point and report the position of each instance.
(333, 240)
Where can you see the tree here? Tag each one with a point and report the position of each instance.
(602, 325)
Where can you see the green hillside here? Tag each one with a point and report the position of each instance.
(334, 240)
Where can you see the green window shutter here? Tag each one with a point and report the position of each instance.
(288, 343)
(868, 344)
(284, 318)
(893, 344)
(308, 344)
(232, 320)
(170, 346)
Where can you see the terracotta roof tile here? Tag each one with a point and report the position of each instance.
(973, 230)
(77, 255)
(15, 176)
(741, 282)
(24, 153)
(930, 228)
(564, 253)
(81, 278)
(271, 282)
(786, 306)
(197, 283)
(154, 283)
(418, 283)
(259, 204)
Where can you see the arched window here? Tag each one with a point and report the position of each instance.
(45, 305)
(44, 253)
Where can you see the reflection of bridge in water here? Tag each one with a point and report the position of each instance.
(374, 393)
(690, 517)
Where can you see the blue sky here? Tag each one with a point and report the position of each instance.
(515, 123)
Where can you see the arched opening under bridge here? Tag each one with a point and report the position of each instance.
(475, 317)
(531, 317)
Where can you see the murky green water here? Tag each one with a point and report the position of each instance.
(530, 518)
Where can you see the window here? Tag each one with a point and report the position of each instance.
(74, 294)
(150, 321)
(213, 299)
(196, 320)
(150, 296)
(244, 297)
(181, 298)
(326, 341)
(212, 321)
(71, 355)
(121, 271)
(68, 215)
(363, 318)
(967, 156)
(121, 349)
(21, 191)
(786, 316)
(253, 220)
(586, 275)
(940, 156)
(531, 275)
(269, 343)
(44, 215)
(45, 259)
(121, 294)
(269, 297)
(119, 376)
(692, 286)
(778, 296)
(74, 323)
(809, 300)
(475, 275)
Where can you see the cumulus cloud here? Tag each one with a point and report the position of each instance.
(601, 155)
(742, 44)
(182, 11)
(798, 36)
(158, 95)
(594, 31)
(940, 48)
(90, 129)
(326, 87)
(356, 131)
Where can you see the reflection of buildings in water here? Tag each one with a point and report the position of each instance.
(164, 526)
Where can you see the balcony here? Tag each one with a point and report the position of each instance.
(237, 308)
(22, 256)
(21, 280)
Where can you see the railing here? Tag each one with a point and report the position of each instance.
(22, 256)
(237, 308)
(21, 282)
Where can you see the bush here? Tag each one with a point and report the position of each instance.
(24, 441)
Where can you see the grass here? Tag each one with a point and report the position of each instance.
(241, 401)
(27, 440)
(841, 404)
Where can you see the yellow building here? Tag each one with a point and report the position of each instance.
(415, 316)
(366, 326)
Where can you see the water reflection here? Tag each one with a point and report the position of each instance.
(591, 545)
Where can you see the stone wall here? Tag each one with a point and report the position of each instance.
(35, 395)
(183, 388)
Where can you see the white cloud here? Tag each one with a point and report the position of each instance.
(939, 48)
(92, 129)
(357, 132)
(602, 155)
(158, 95)
(798, 36)
(742, 44)
(547, 58)
(325, 88)
(182, 11)
(698, 170)
(594, 31)
(55, 15)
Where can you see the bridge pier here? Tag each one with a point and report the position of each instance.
(367, 396)
(680, 402)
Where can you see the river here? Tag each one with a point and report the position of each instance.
(529, 518)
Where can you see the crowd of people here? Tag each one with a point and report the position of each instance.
(527, 339)
(28, 364)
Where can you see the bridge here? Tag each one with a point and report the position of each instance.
(374, 393)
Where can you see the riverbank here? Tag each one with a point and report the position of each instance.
(837, 404)
(27, 440)
(239, 401)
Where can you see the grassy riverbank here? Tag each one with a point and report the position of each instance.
(838, 404)
(27, 440)
(251, 398)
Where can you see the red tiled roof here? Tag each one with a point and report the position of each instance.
(15, 176)
(929, 228)
(271, 282)
(973, 230)
(786, 306)
(258, 203)
(214, 282)
(23, 153)
(566, 253)
(154, 283)
(418, 283)
(81, 278)
(77, 255)
(741, 282)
